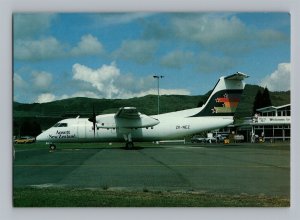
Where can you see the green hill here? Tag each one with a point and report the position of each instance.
(84, 106)
(46, 114)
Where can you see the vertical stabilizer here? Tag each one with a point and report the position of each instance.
(225, 97)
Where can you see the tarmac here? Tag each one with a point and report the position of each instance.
(235, 169)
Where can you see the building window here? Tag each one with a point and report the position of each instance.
(279, 113)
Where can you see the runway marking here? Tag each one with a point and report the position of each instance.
(146, 165)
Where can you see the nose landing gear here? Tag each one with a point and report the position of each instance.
(52, 147)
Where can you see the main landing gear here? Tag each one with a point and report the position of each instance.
(129, 143)
(52, 147)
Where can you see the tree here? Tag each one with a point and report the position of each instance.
(257, 101)
(262, 99)
(30, 128)
(200, 103)
(266, 100)
(16, 128)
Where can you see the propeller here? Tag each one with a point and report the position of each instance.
(93, 119)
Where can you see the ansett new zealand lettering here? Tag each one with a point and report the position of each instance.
(62, 134)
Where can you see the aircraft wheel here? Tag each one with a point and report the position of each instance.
(52, 147)
(129, 145)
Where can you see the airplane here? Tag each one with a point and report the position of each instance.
(129, 125)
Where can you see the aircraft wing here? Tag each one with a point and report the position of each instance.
(129, 117)
(126, 117)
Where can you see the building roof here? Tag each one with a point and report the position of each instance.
(272, 108)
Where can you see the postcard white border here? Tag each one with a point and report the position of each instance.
(7, 7)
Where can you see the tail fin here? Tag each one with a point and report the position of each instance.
(226, 95)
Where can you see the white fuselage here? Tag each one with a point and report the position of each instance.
(171, 126)
(129, 125)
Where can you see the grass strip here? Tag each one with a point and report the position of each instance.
(73, 197)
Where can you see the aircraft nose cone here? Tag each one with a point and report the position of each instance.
(40, 137)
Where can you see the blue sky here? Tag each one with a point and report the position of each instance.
(114, 55)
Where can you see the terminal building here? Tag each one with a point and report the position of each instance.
(270, 124)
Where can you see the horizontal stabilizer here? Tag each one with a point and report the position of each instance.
(237, 76)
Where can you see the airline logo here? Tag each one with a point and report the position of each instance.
(226, 104)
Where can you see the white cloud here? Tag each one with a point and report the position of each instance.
(89, 45)
(177, 59)
(126, 94)
(225, 33)
(87, 94)
(104, 82)
(268, 36)
(41, 80)
(139, 51)
(207, 29)
(128, 82)
(154, 92)
(51, 48)
(45, 97)
(124, 18)
(102, 79)
(38, 82)
(19, 82)
(279, 80)
(108, 19)
(49, 97)
(110, 83)
(174, 92)
(33, 50)
(208, 63)
(28, 25)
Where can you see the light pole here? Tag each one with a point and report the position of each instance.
(158, 77)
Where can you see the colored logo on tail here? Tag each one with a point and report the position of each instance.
(229, 104)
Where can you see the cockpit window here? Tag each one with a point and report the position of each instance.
(56, 125)
(63, 125)
(60, 125)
